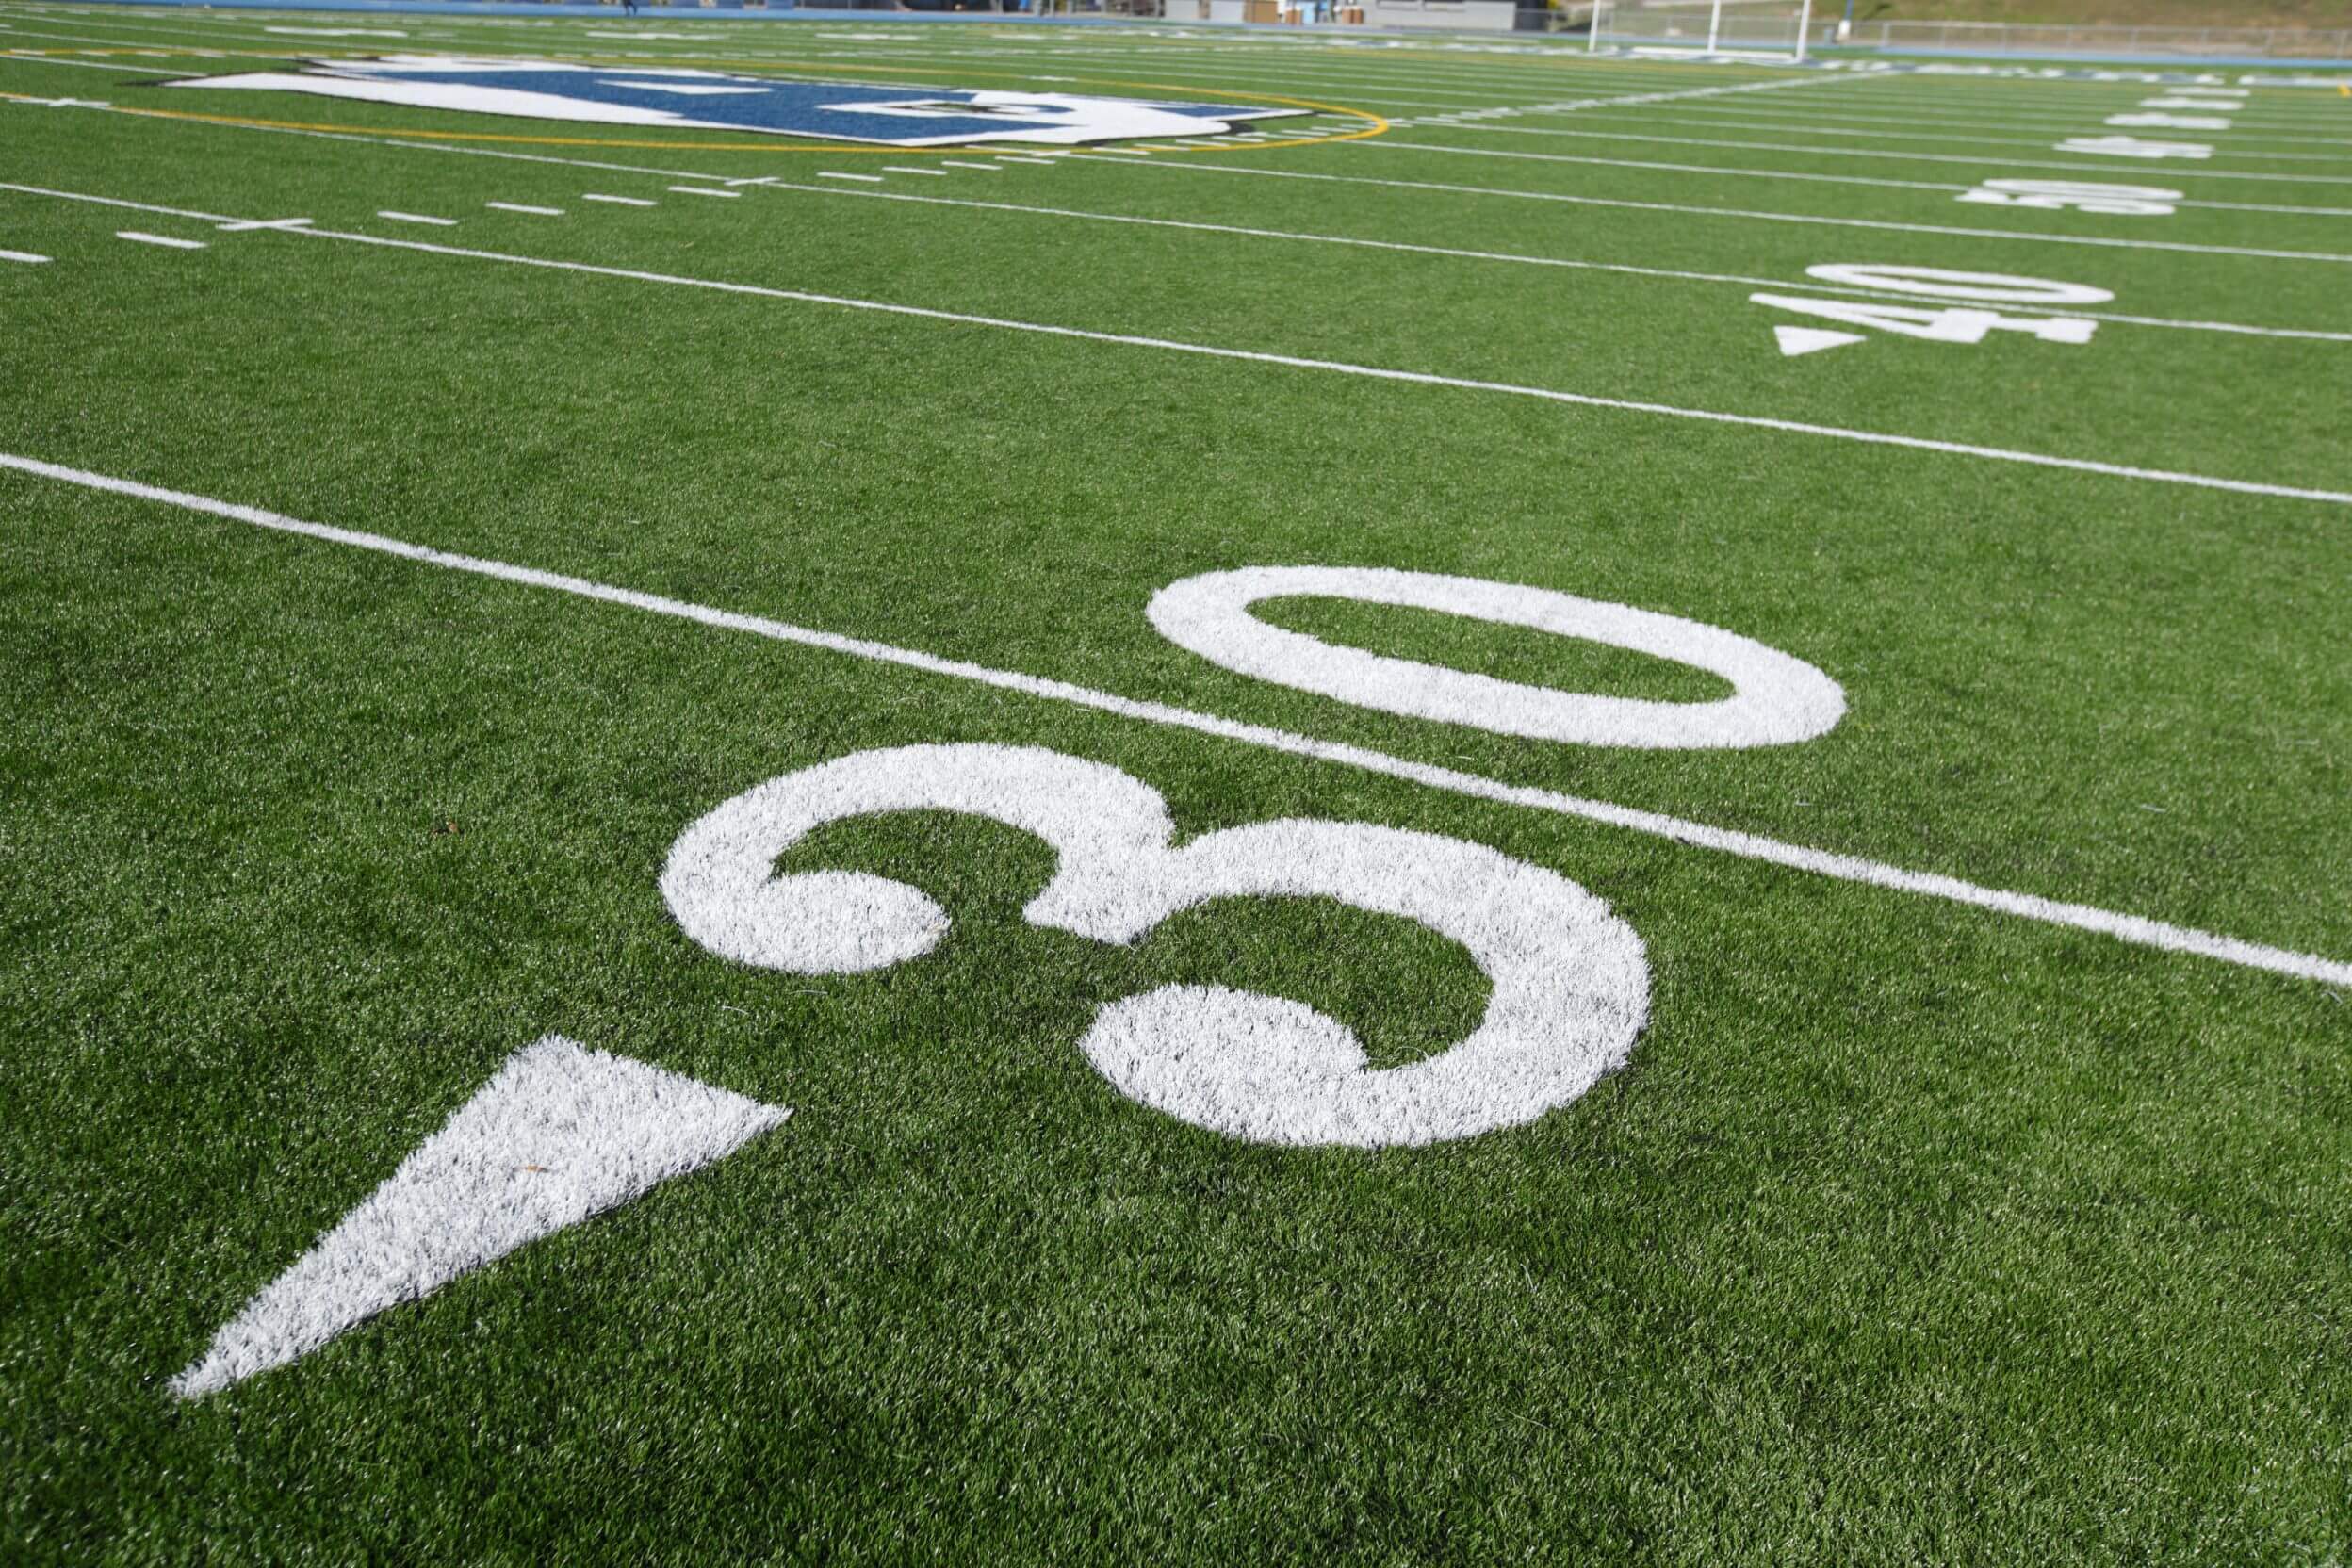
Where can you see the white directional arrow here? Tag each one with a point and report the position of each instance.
(559, 1134)
(1812, 341)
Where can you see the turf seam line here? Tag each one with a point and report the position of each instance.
(2133, 929)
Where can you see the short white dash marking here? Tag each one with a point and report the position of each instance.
(21, 255)
(906, 168)
(830, 174)
(265, 223)
(704, 191)
(418, 218)
(164, 239)
(1046, 162)
(990, 167)
(519, 207)
(620, 201)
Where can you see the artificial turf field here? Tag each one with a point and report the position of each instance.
(1967, 1181)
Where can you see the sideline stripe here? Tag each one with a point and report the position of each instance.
(1210, 351)
(2128, 928)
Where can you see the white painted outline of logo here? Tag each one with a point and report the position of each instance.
(1777, 699)
(1570, 979)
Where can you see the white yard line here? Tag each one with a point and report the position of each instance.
(22, 256)
(619, 201)
(164, 240)
(2179, 246)
(2124, 927)
(419, 217)
(1622, 269)
(2168, 171)
(831, 175)
(520, 206)
(1253, 356)
(704, 191)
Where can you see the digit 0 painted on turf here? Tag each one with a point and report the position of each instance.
(1776, 699)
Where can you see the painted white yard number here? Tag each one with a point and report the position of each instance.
(1963, 323)
(1775, 699)
(2111, 201)
(1570, 981)
(2135, 147)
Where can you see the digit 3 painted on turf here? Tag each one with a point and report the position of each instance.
(1571, 980)
(1968, 322)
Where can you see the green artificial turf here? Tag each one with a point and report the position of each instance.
(1912, 1231)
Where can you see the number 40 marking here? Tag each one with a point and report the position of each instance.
(1965, 323)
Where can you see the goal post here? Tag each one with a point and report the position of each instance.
(1766, 29)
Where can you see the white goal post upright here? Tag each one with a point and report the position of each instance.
(1805, 26)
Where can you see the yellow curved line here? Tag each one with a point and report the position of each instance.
(1375, 124)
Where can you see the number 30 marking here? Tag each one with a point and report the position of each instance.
(1571, 980)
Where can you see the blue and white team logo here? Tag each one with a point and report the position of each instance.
(722, 101)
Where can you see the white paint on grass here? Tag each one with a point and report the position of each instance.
(864, 179)
(141, 236)
(619, 201)
(22, 256)
(1776, 699)
(1570, 981)
(705, 190)
(520, 206)
(2135, 930)
(2099, 241)
(1943, 284)
(418, 218)
(1797, 341)
(559, 1134)
(1584, 400)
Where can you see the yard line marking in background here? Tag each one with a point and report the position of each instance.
(1210, 351)
(935, 173)
(988, 168)
(704, 191)
(1515, 258)
(829, 174)
(1562, 157)
(519, 206)
(145, 238)
(1972, 162)
(2133, 929)
(419, 217)
(619, 201)
(1773, 216)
